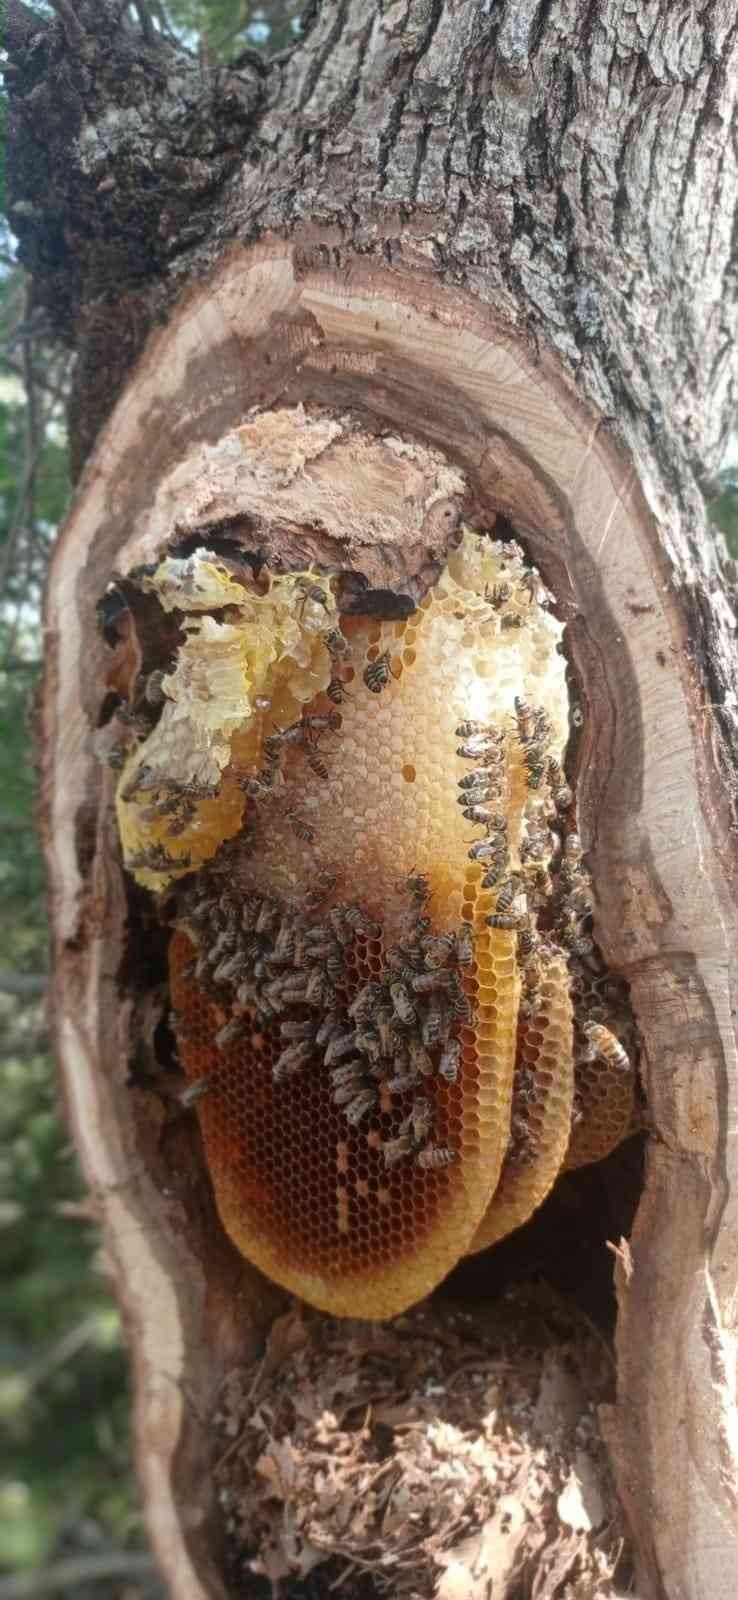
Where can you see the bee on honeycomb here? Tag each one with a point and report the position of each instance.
(382, 963)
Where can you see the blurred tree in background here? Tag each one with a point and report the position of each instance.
(69, 1518)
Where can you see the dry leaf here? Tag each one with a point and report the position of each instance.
(580, 1504)
(481, 1568)
(277, 1466)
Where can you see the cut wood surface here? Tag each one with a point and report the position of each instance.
(410, 358)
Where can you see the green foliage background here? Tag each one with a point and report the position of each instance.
(67, 1489)
(66, 1483)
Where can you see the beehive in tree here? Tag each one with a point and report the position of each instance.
(527, 335)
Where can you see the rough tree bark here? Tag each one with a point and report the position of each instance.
(509, 229)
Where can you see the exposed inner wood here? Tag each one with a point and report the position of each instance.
(411, 359)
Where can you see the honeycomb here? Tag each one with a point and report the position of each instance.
(543, 1090)
(178, 795)
(380, 970)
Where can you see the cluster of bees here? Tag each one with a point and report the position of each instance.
(293, 971)
(262, 961)
(303, 735)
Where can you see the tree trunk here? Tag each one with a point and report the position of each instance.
(505, 233)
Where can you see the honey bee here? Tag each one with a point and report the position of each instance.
(466, 730)
(231, 1031)
(607, 1046)
(535, 753)
(437, 978)
(256, 788)
(420, 1120)
(154, 858)
(485, 849)
(439, 949)
(512, 620)
(531, 585)
(419, 1058)
(525, 717)
(362, 925)
(369, 1043)
(311, 591)
(272, 748)
(436, 1022)
(563, 797)
(541, 885)
(317, 723)
(363, 1102)
(114, 756)
(461, 1006)
(481, 815)
(417, 886)
(318, 991)
(498, 595)
(339, 926)
(381, 1018)
(395, 1150)
(449, 1062)
(348, 1072)
(404, 1008)
(336, 643)
(378, 673)
(327, 1029)
(301, 829)
(464, 939)
(435, 1156)
(482, 747)
(508, 920)
(492, 876)
(573, 849)
(268, 917)
(145, 777)
(180, 824)
(318, 944)
(196, 1090)
(482, 777)
(317, 765)
(291, 1060)
(527, 942)
(294, 1030)
(340, 1045)
(536, 773)
(337, 691)
(229, 969)
(348, 1088)
(402, 1082)
(365, 1002)
(294, 733)
(508, 893)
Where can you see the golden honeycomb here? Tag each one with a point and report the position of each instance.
(541, 1110)
(605, 1111)
(384, 1076)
